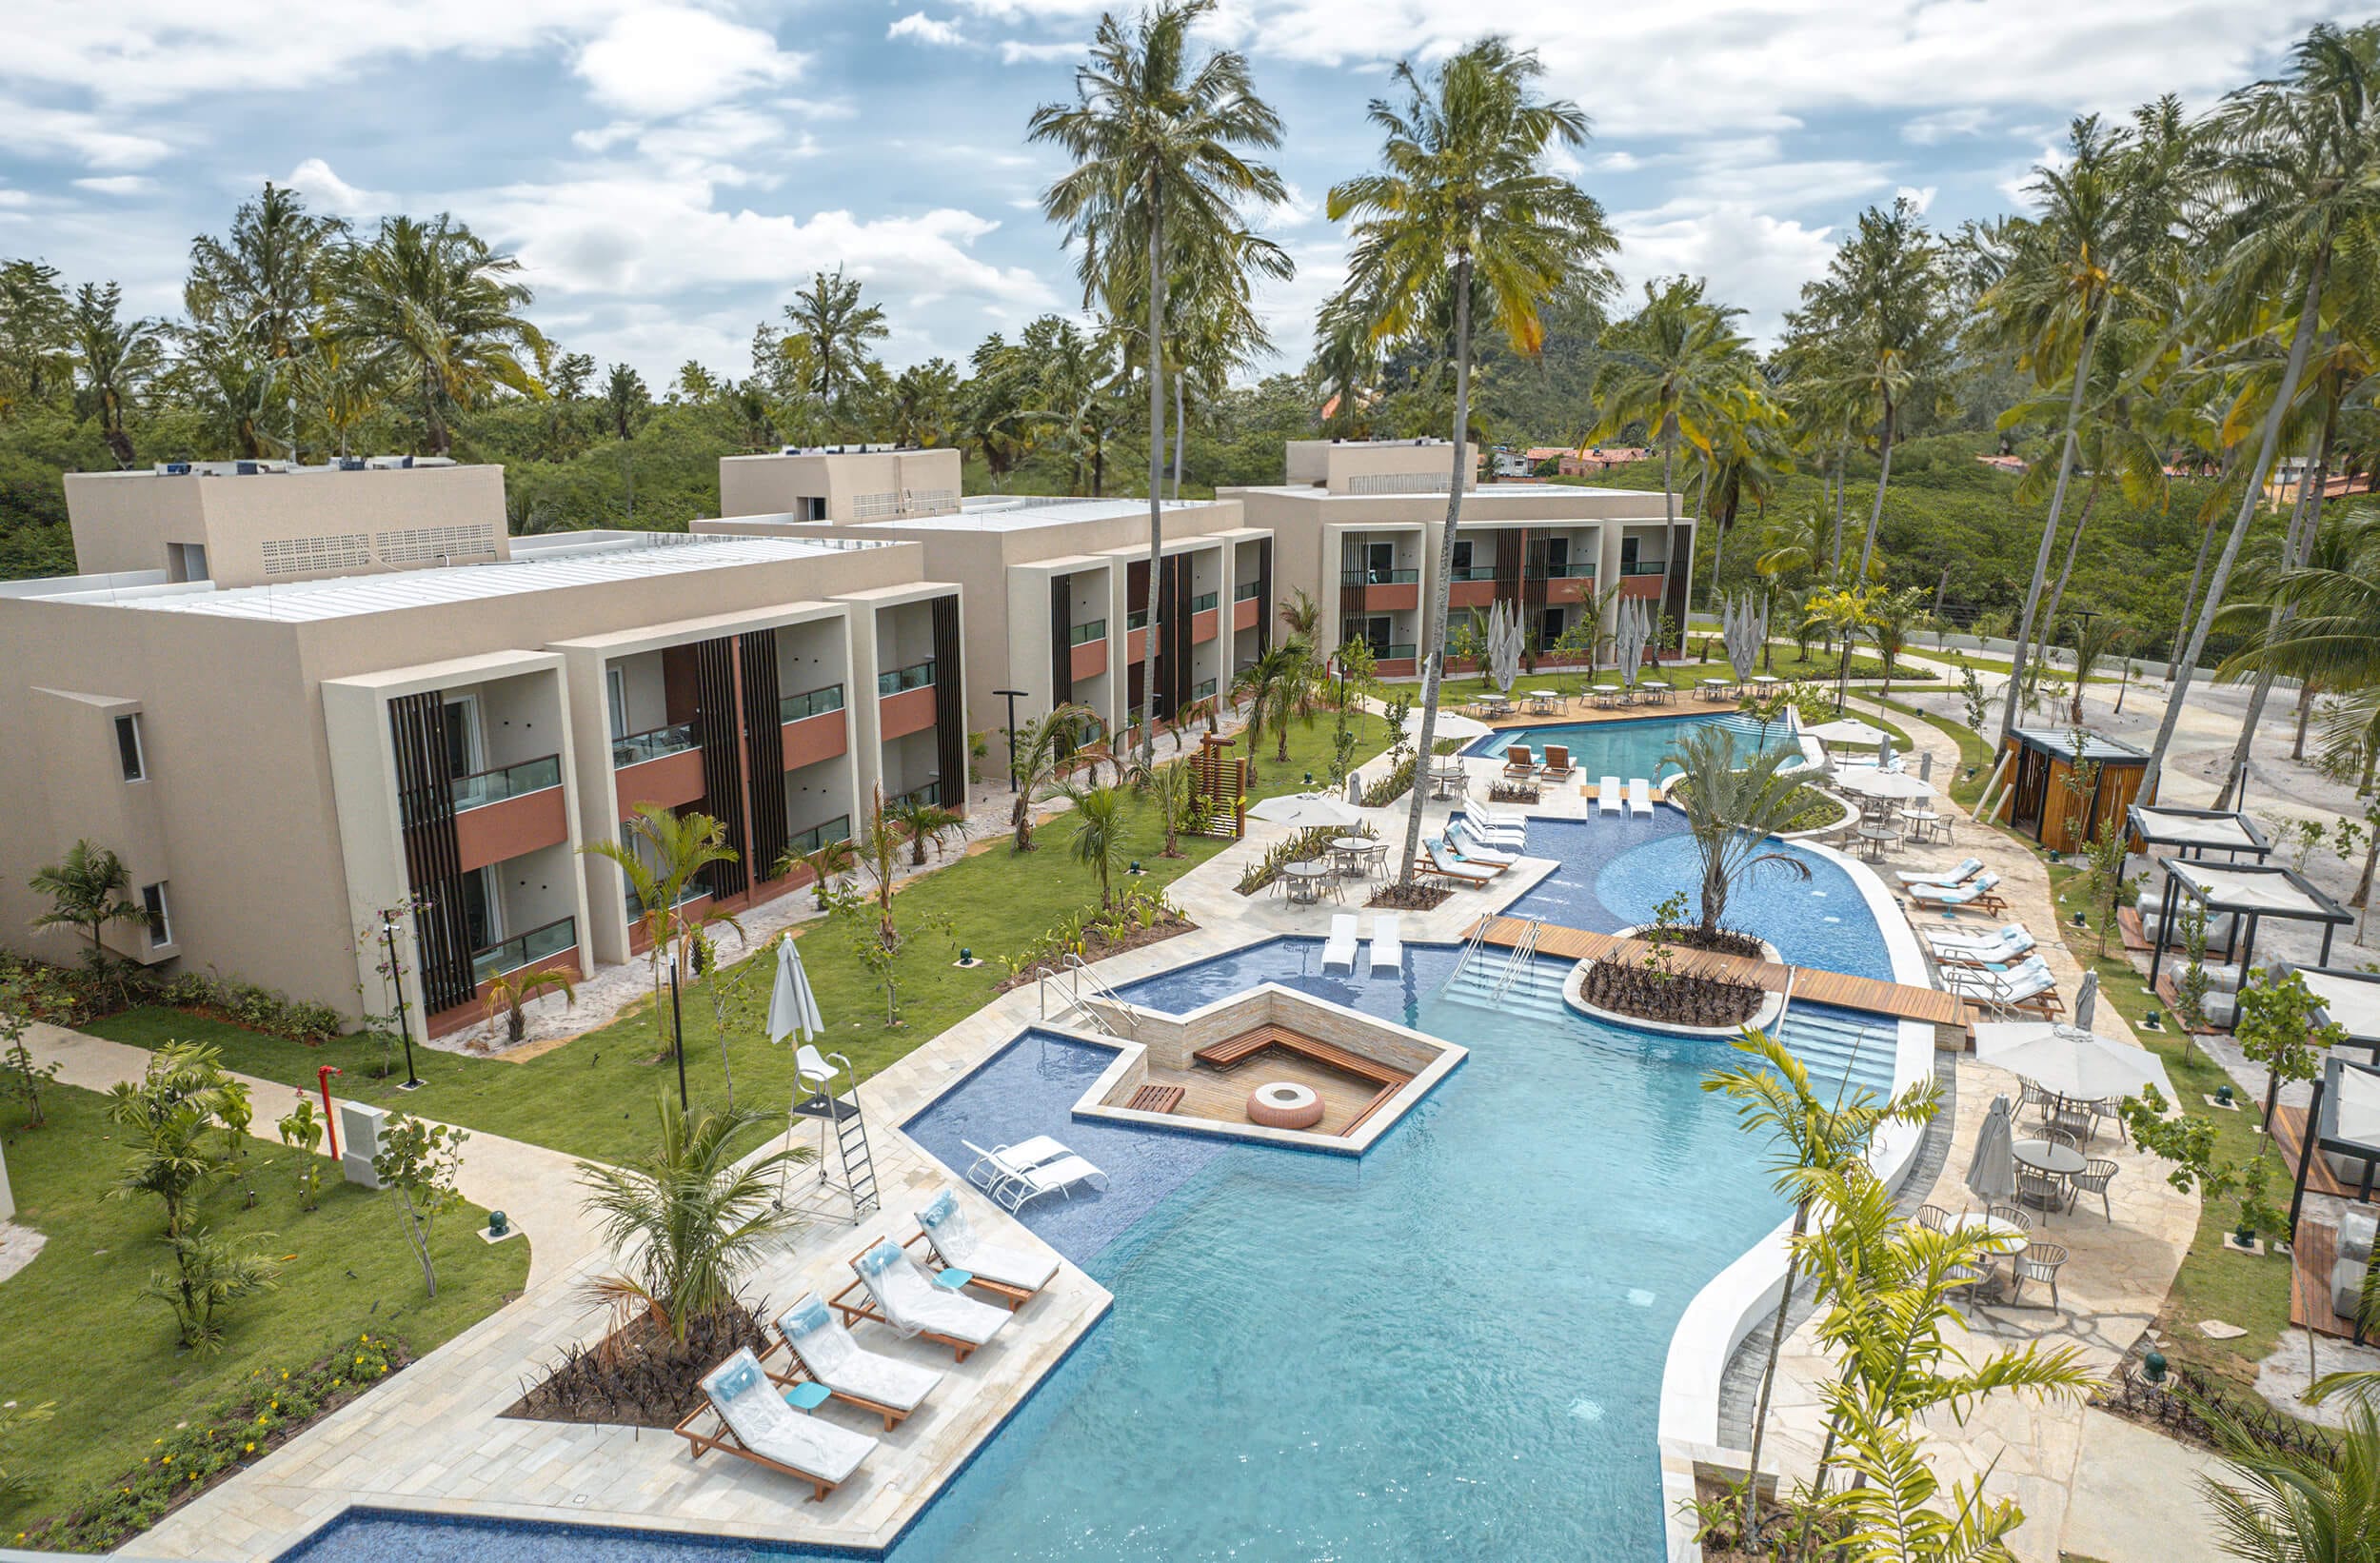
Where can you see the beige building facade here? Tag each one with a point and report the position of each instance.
(842, 482)
(282, 764)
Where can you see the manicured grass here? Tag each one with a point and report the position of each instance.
(593, 1095)
(1974, 752)
(74, 1330)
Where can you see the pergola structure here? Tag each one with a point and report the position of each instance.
(2343, 1122)
(2250, 892)
(2349, 999)
(2196, 833)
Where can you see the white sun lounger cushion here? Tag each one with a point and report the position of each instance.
(1488, 813)
(1340, 949)
(1639, 797)
(758, 1416)
(1490, 840)
(1955, 895)
(944, 1222)
(911, 1304)
(1492, 835)
(847, 1367)
(2012, 937)
(1608, 799)
(1959, 874)
(1446, 865)
(1388, 949)
(1474, 851)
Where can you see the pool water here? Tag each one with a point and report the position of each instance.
(1633, 747)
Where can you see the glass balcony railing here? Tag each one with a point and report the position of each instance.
(1248, 591)
(812, 704)
(694, 890)
(525, 949)
(1394, 651)
(656, 744)
(1204, 689)
(1561, 572)
(929, 792)
(494, 786)
(1136, 619)
(1204, 602)
(1083, 634)
(1378, 577)
(1473, 573)
(1643, 566)
(836, 829)
(915, 676)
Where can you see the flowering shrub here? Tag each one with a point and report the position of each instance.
(269, 1407)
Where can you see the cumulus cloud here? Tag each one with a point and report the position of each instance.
(1021, 52)
(667, 60)
(316, 181)
(88, 139)
(118, 184)
(925, 30)
(1755, 260)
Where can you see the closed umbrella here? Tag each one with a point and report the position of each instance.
(2086, 1000)
(1304, 812)
(1884, 752)
(2068, 1061)
(792, 1007)
(1992, 1175)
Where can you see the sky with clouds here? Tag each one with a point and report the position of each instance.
(668, 172)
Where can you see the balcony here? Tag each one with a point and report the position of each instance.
(1248, 591)
(836, 829)
(508, 811)
(814, 702)
(1095, 630)
(1560, 572)
(930, 792)
(902, 680)
(662, 766)
(1205, 602)
(1136, 619)
(812, 726)
(1379, 578)
(904, 700)
(1644, 566)
(542, 945)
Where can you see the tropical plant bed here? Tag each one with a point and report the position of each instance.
(1409, 898)
(271, 1407)
(1098, 942)
(636, 1376)
(1514, 792)
(1671, 999)
(2181, 1406)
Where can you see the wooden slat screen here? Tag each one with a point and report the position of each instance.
(763, 751)
(1264, 596)
(950, 704)
(715, 723)
(1170, 629)
(1061, 640)
(434, 865)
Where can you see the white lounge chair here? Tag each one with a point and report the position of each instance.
(1338, 951)
(1013, 1187)
(990, 1166)
(1494, 817)
(2012, 943)
(1976, 892)
(1505, 837)
(757, 1425)
(1470, 848)
(1640, 798)
(905, 1296)
(848, 1371)
(1013, 1272)
(2027, 987)
(1959, 874)
(1388, 949)
(1608, 798)
(1446, 865)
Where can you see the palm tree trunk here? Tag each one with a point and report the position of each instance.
(2181, 624)
(1842, 481)
(1181, 433)
(2298, 547)
(1876, 513)
(2010, 700)
(2308, 317)
(1156, 469)
(1432, 647)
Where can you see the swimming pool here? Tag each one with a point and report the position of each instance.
(1632, 747)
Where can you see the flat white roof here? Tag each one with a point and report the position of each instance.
(1543, 492)
(1025, 513)
(2263, 889)
(338, 597)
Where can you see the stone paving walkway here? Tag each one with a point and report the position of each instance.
(18, 1244)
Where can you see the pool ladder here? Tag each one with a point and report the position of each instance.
(1078, 976)
(1524, 954)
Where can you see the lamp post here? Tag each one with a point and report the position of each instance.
(1012, 696)
(396, 976)
(676, 1030)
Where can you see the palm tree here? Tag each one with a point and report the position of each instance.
(2290, 1507)
(1731, 810)
(2103, 244)
(1807, 1135)
(831, 333)
(1172, 789)
(1463, 213)
(264, 284)
(1895, 618)
(1302, 616)
(1101, 841)
(925, 825)
(440, 309)
(2096, 637)
(626, 400)
(1159, 174)
(690, 1216)
(1042, 749)
(87, 892)
(2298, 166)
(1842, 611)
(509, 995)
(1272, 685)
(118, 357)
(660, 852)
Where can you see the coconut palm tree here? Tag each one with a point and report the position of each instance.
(831, 333)
(1158, 139)
(1809, 1136)
(1042, 748)
(510, 994)
(1464, 215)
(117, 358)
(263, 284)
(1101, 841)
(441, 310)
(2096, 637)
(690, 1216)
(925, 825)
(2298, 170)
(1734, 803)
(1842, 611)
(87, 892)
(2276, 1507)
(1895, 620)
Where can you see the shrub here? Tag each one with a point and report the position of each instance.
(1303, 848)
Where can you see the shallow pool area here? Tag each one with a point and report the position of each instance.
(1632, 747)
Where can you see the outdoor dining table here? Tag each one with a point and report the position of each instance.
(1607, 694)
(1653, 690)
(1449, 780)
(1544, 701)
(1765, 681)
(1718, 689)
(1873, 838)
(1306, 883)
(2016, 1237)
(1924, 824)
(1357, 854)
(2043, 1156)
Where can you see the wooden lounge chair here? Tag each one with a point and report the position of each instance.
(1008, 1272)
(823, 1350)
(1448, 867)
(1471, 845)
(1978, 893)
(1447, 848)
(755, 1424)
(894, 1289)
(1558, 767)
(1518, 761)
(2026, 988)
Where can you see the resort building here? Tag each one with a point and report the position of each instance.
(293, 700)
(840, 483)
(1059, 599)
(1359, 524)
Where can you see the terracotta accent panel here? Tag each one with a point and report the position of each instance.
(1402, 595)
(1641, 585)
(1089, 659)
(1203, 625)
(911, 711)
(673, 781)
(1470, 594)
(1568, 588)
(1243, 614)
(1136, 647)
(1396, 667)
(814, 739)
(493, 832)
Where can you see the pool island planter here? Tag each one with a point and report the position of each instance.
(1772, 1008)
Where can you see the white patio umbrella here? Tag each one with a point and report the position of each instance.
(1991, 1173)
(1450, 724)
(1848, 730)
(2069, 1062)
(1881, 784)
(792, 1007)
(1304, 812)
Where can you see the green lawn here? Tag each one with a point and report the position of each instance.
(74, 1330)
(593, 1095)
(1974, 752)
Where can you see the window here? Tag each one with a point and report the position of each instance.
(129, 749)
(1549, 629)
(616, 693)
(1381, 559)
(1628, 556)
(463, 736)
(813, 507)
(160, 916)
(1462, 559)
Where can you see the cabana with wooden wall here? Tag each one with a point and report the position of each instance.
(2040, 801)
